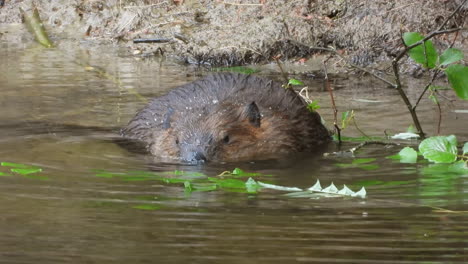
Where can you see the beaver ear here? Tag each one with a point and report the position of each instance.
(252, 113)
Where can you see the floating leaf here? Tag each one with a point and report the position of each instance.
(449, 56)
(311, 192)
(203, 186)
(345, 191)
(361, 193)
(423, 54)
(188, 186)
(406, 135)
(228, 183)
(458, 77)
(439, 149)
(294, 82)
(16, 165)
(252, 186)
(455, 169)
(316, 188)
(465, 148)
(331, 189)
(408, 155)
(364, 160)
(26, 171)
(147, 207)
(279, 188)
(240, 173)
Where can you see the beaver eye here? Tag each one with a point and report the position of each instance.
(177, 141)
(226, 139)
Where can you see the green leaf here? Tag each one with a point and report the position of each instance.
(439, 149)
(278, 187)
(465, 148)
(346, 118)
(237, 171)
(26, 171)
(365, 160)
(228, 183)
(36, 27)
(295, 82)
(16, 165)
(188, 186)
(313, 106)
(147, 207)
(241, 173)
(449, 56)
(408, 155)
(423, 54)
(453, 140)
(458, 77)
(412, 129)
(433, 98)
(252, 186)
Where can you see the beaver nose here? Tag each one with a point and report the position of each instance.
(199, 156)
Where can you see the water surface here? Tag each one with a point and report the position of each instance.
(58, 114)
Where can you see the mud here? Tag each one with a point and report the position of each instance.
(234, 32)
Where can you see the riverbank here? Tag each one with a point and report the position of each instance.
(229, 33)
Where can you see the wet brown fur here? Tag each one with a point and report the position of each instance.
(227, 117)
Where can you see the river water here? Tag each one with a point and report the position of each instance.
(60, 117)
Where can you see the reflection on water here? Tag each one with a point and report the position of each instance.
(57, 115)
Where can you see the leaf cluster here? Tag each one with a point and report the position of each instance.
(426, 55)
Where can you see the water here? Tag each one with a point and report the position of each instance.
(57, 115)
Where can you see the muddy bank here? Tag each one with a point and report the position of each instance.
(243, 32)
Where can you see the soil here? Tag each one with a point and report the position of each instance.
(239, 32)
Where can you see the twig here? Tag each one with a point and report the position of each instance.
(283, 73)
(434, 76)
(238, 4)
(431, 35)
(358, 129)
(451, 15)
(152, 40)
(440, 117)
(335, 110)
(408, 104)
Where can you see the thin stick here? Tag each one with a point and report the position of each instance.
(236, 4)
(440, 117)
(434, 76)
(283, 73)
(335, 110)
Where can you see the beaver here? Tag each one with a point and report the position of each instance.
(227, 117)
